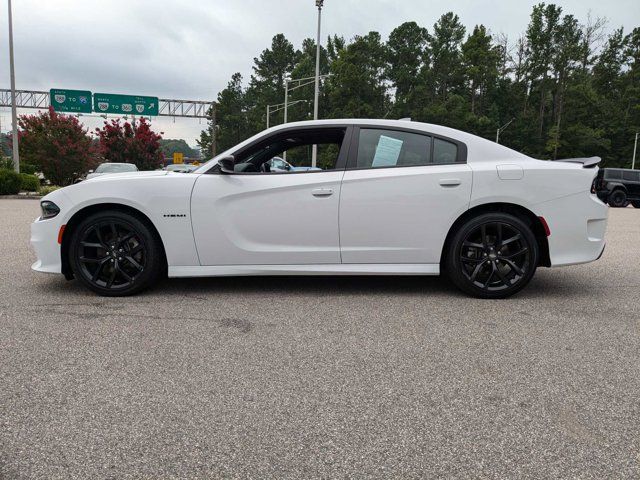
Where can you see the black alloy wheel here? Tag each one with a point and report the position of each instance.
(618, 199)
(115, 254)
(492, 256)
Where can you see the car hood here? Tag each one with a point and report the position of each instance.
(119, 176)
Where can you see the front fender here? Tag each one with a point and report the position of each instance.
(164, 200)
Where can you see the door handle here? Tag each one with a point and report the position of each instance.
(450, 182)
(322, 192)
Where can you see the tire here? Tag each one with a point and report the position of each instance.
(635, 203)
(493, 255)
(618, 199)
(116, 254)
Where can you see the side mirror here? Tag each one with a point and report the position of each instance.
(226, 164)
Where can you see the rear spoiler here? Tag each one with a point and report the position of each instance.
(586, 162)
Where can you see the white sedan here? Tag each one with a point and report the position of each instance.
(388, 198)
(111, 167)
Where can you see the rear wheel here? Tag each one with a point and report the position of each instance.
(492, 256)
(618, 199)
(115, 254)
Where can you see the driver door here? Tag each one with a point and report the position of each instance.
(271, 218)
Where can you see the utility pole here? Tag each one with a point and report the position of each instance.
(314, 154)
(14, 111)
(635, 147)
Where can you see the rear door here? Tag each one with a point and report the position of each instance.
(631, 180)
(401, 192)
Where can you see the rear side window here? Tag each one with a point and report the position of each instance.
(444, 152)
(389, 148)
(630, 176)
(613, 175)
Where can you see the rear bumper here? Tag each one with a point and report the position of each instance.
(578, 224)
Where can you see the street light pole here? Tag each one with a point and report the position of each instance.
(501, 129)
(314, 153)
(635, 147)
(286, 105)
(286, 96)
(14, 110)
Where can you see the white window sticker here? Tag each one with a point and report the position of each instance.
(387, 152)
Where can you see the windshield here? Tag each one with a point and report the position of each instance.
(116, 168)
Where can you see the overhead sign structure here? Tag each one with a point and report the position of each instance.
(125, 104)
(78, 101)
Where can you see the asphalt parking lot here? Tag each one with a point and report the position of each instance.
(321, 377)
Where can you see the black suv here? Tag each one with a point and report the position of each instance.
(618, 186)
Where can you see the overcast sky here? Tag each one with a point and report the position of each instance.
(189, 49)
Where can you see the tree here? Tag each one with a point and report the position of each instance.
(568, 89)
(405, 56)
(480, 59)
(170, 146)
(127, 143)
(567, 53)
(266, 86)
(356, 87)
(540, 43)
(56, 145)
(5, 144)
(444, 46)
(606, 72)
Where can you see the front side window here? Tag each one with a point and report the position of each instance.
(292, 152)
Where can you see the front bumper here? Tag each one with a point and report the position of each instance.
(44, 240)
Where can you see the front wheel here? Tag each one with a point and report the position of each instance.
(493, 255)
(115, 254)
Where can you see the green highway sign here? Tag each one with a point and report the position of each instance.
(70, 100)
(125, 104)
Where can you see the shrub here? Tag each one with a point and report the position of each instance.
(56, 144)
(6, 163)
(45, 190)
(30, 183)
(9, 182)
(27, 168)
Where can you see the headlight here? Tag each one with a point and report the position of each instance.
(49, 209)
